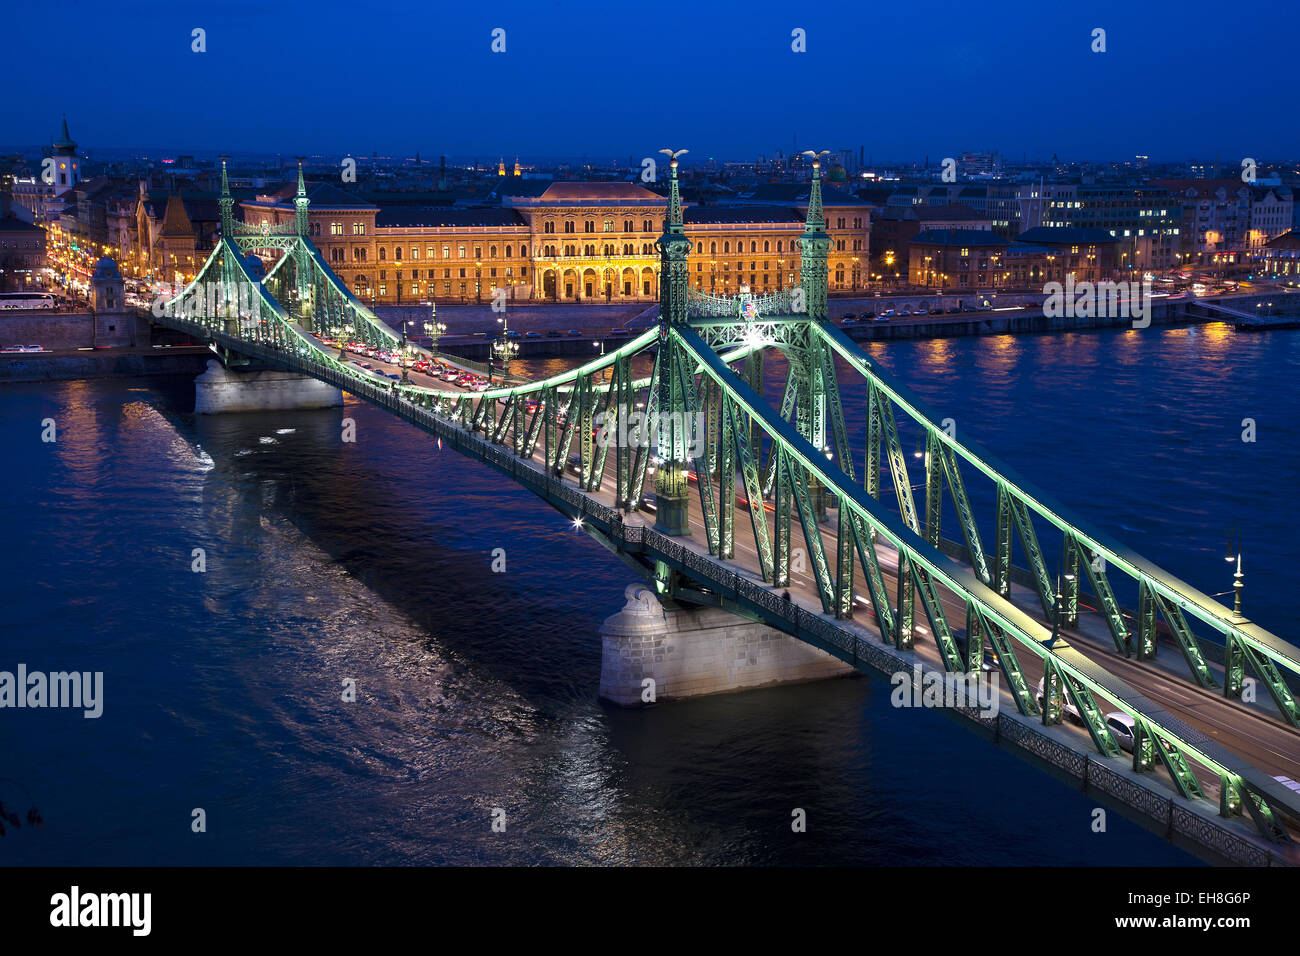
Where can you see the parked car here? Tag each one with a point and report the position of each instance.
(532, 335)
(849, 320)
(1123, 728)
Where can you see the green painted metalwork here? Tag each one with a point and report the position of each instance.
(726, 456)
(1008, 663)
(862, 538)
(1093, 567)
(781, 507)
(904, 611)
(1070, 575)
(943, 639)
(1052, 699)
(1094, 719)
(812, 536)
(846, 535)
(933, 489)
(1033, 553)
(1002, 543)
(744, 426)
(1187, 643)
(898, 468)
(1146, 630)
(1272, 679)
(965, 514)
(874, 438)
(753, 492)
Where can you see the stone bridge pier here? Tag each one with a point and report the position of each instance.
(221, 389)
(691, 651)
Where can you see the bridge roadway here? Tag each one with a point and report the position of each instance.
(1249, 731)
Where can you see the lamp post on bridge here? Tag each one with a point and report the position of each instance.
(406, 374)
(1238, 579)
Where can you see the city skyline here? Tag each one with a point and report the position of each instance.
(727, 86)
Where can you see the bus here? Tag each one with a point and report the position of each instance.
(27, 300)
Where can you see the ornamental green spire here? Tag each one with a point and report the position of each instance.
(814, 245)
(301, 203)
(226, 203)
(674, 248)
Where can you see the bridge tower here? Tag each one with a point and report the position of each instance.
(814, 247)
(674, 401)
(817, 372)
(302, 264)
(227, 205)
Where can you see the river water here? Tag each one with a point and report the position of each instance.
(476, 691)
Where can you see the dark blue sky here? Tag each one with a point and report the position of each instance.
(616, 78)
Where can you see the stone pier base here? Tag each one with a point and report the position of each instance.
(221, 390)
(694, 651)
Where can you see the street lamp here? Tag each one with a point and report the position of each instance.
(504, 350)
(1238, 579)
(478, 281)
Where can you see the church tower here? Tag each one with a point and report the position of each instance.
(67, 168)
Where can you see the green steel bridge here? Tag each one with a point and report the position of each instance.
(707, 479)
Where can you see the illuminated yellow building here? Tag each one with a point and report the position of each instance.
(565, 242)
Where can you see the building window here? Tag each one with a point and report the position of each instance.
(415, 252)
(462, 252)
(336, 228)
(358, 229)
(568, 225)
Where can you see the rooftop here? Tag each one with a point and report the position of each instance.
(958, 237)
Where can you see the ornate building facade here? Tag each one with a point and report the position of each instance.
(562, 242)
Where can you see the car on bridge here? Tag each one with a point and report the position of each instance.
(1069, 707)
(1123, 728)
